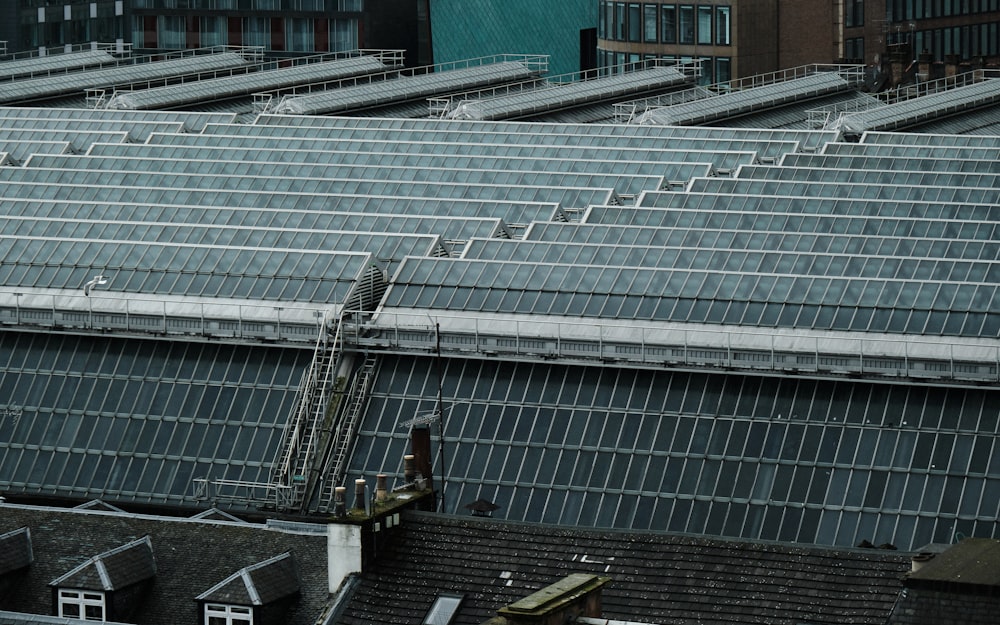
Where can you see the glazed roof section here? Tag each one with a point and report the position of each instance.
(755, 98)
(404, 88)
(555, 95)
(244, 84)
(53, 63)
(30, 89)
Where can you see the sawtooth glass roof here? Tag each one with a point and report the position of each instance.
(77, 82)
(803, 301)
(42, 65)
(930, 106)
(813, 461)
(403, 88)
(90, 119)
(137, 420)
(560, 95)
(729, 104)
(244, 84)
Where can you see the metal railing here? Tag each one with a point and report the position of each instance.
(235, 491)
(831, 354)
(120, 313)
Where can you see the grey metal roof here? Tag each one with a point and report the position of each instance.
(243, 84)
(739, 102)
(561, 95)
(49, 86)
(403, 88)
(923, 108)
(52, 63)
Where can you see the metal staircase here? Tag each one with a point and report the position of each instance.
(342, 434)
(298, 454)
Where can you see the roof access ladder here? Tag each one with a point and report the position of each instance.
(342, 434)
(297, 458)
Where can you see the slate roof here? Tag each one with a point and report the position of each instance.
(655, 577)
(20, 618)
(973, 564)
(258, 584)
(15, 550)
(118, 568)
(191, 556)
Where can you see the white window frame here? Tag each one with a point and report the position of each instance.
(230, 614)
(82, 599)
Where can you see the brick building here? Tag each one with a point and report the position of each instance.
(736, 39)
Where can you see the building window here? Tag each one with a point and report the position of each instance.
(81, 604)
(704, 25)
(723, 70)
(723, 26)
(854, 13)
(300, 34)
(213, 30)
(649, 26)
(219, 614)
(686, 23)
(620, 21)
(634, 22)
(668, 24)
(257, 32)
(171, 32)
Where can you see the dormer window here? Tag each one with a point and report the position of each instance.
(220, 614)
(85, 605)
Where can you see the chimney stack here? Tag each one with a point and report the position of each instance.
(409, 472)
(359, 494)
(381, 493)
(340, 501)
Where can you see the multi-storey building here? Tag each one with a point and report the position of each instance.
(739, 38)
(281, 27)
(43, 25)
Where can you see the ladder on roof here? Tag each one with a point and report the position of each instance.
(343, 434)
(298, 453)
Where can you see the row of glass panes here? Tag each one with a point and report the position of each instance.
(324, 125)
(959, 210)
(112, 128)
(380, 245)
(301, 198)
(928, 162)
(398, 153)
(596, 280)
(165, 361)
(886, 150)
(856, 189)
(408, 152)
(872, 177)
(927, 139)
(516, 133)
(203, 259)
(397, 215)
(145, 187)
(840, 317)
(766, 241)
(264, 199)
(873, 223)
(121, 477)
(452, 168)
(735, 261)
(756, 521)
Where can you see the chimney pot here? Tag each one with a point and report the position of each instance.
(381, 493)
(340, 501)
(359, 494)
(409, 470)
